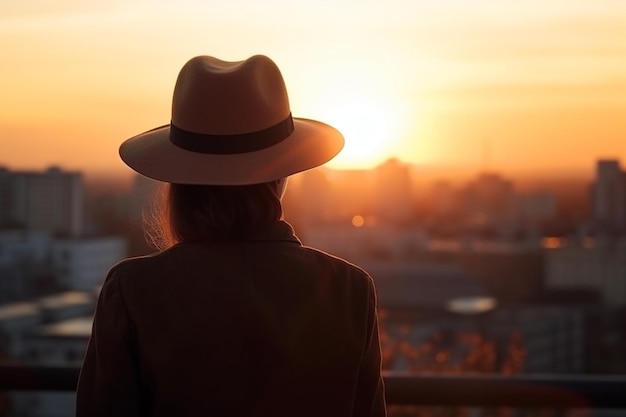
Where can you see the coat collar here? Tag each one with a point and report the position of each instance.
(277, 231)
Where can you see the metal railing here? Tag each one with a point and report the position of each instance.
(520, 391)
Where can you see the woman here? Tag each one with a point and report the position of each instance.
(235, 317)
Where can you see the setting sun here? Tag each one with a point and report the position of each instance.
(368, 129)
(371, 120)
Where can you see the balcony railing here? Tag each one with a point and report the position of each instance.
(549, 391)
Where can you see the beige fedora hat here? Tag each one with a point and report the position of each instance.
(231, 125)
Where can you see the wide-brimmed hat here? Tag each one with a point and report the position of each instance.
(231, 125)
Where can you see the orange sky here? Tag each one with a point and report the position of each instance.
(531, 85)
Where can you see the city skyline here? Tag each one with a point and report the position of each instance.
(422, 174)
(466, 86)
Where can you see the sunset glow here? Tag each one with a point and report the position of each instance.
(368, 128)
(427, 82)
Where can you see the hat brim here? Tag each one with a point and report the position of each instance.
(153, 155)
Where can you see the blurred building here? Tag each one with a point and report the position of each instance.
(553, 336)
(598, 265)
(421, 287)
(443, 200)
(393, 194)
(83, 263)
(608, 197)
(489, 207)
(34, 263)
(58, 344)
(19, 321)
(50, 201)
(66, 305)
(25, 267)
(49, 331)
(533, 209)
(509, 270)
(366, 239)
(16, 320)
(508, 340)
(488, 201)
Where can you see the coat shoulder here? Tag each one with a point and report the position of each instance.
(336, 262)
(153, 261)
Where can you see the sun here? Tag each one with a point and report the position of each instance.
(369, 127)
(357, 99)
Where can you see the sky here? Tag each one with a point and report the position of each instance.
(531, 86)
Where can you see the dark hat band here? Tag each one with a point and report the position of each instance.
(231, 144)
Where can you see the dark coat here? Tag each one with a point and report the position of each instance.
(265, 327)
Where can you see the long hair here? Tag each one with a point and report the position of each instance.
(211, 213)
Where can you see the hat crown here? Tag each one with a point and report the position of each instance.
(216, 97)
(230, 125)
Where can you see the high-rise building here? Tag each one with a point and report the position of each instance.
(608, 197)
(488, 200)
(50, 201)
(393, 199)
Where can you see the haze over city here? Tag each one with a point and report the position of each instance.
(522, 88)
